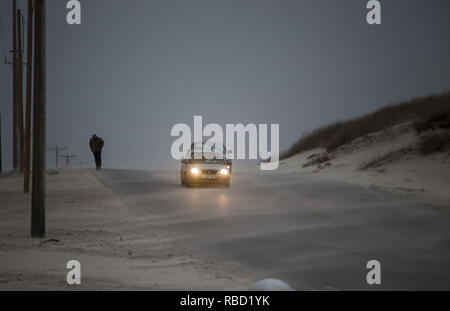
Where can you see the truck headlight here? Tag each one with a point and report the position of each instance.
(224, 171)
(195, 171)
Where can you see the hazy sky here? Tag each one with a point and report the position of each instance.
(134, 68)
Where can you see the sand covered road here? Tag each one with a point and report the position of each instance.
(312, 232)
(87, 222)
(134, 229)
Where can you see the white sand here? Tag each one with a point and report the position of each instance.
(91, 225)
(423, 178)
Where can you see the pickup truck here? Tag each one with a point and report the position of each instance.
(206, 163)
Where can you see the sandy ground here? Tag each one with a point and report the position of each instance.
(398, 166)
(88, 223)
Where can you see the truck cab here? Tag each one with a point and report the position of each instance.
(206, 163)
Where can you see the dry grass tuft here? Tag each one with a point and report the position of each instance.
(433, 111)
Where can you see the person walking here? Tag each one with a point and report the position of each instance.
(96, 144)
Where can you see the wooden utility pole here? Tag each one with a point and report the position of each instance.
(39, 118)
(57, 150)
(14, 51)
(20, 89)
(26, 181)
(68, 158)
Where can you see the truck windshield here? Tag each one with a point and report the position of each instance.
(214, 148)
(206, 150)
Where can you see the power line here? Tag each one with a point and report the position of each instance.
(57, 150)
(68, 158)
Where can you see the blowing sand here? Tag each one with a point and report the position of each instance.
(88, 223)
(387, 160)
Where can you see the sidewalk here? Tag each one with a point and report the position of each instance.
(88, 223)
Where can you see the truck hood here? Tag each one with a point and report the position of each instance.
(209, 166)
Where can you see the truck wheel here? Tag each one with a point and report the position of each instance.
(187, 184)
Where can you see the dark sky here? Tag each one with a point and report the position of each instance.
(134, 68)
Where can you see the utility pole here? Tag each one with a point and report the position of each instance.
(20, 89)
(39, 120)
(68, 158)
(14, 51)
(26, 182)
(57, 150)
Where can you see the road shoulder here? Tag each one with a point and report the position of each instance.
(87, 222)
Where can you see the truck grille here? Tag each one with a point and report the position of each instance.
(210, 172)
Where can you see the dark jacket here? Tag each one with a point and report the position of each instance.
(96, 144)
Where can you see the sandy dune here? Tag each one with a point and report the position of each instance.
(394, 165)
